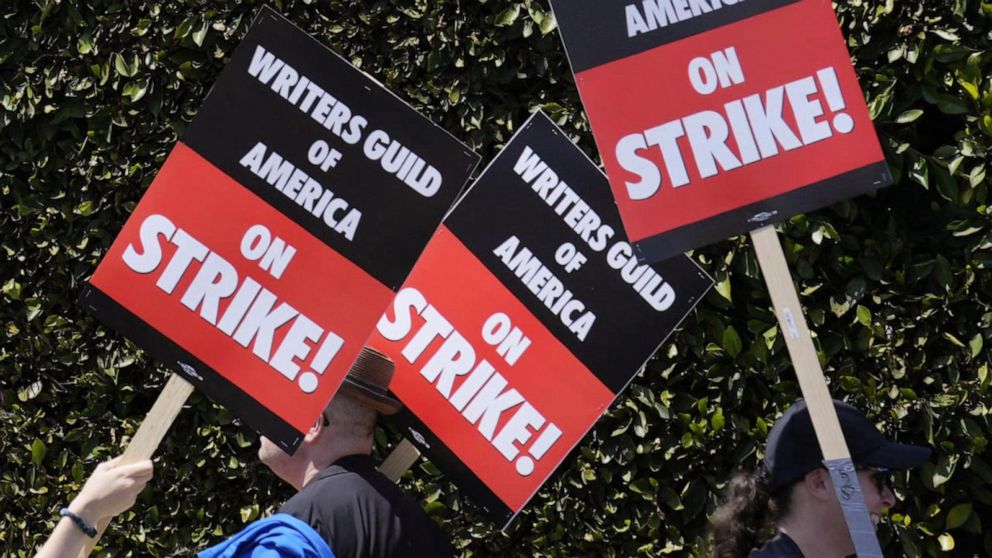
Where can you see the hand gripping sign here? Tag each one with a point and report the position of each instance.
(256, 264)
(715, 117)
(524, 319)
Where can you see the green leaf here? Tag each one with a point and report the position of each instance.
(942, 272)
(77, 471)
(957, 516)
(943, 471)
(717, 421)
(946, 185)
(30, 392)
(33, 308)
(722, 287)
(946, 542)
(954, 340)
(920, 172)
(12, 289)
(975, 344)
(946, 34)
(38, 451)
(976, 176)
(909, 116)
(249, 513)
(85, 44)
(85, 208)
(670, 498)
(731, 341)
(839, 307)
(952, 105)
(951, 53)
(200, 34)
(136, 91)
(986, 123)
(864, 316)
(548, 24)
(508, 16)
(121, 66)
(644, 486)
(184, 28)
(970, 88)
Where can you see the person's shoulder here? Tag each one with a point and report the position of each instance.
(779, 546)
(350, 482)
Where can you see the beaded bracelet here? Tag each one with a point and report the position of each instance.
(79, 521)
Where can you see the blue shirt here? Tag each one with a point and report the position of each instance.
(279, 536)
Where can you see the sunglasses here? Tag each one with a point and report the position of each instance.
(882, 479)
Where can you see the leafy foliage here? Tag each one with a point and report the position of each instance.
(897, 285)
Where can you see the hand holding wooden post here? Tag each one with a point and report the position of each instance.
(149, 436)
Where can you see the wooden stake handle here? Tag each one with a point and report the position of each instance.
(792, 323)
(813, 384)
(400, 460)
(149, 435)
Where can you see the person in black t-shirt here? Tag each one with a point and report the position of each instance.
(792, 491)
(358, 511)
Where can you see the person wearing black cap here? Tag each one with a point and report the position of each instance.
(793, 491)
(357, 510)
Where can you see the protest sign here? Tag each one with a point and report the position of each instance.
(278, 229)
(716, 117)
(524, 319)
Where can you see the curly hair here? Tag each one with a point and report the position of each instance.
(745, 518)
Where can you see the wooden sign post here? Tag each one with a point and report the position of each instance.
(149, 435)
(400, 460)
(792, 324)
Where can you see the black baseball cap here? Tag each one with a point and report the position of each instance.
(792, 449)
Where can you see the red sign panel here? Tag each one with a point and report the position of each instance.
(243, 288)
(511, 437)
(743, 122)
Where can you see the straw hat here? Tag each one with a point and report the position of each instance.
(368, 381)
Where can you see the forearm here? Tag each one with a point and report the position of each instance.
(66, 541)
(110, 490)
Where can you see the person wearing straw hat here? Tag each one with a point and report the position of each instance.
(358, 511)
(793, 492)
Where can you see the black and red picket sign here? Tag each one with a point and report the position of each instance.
(278, 229)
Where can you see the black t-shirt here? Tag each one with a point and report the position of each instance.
(362, 514)
(779, 546)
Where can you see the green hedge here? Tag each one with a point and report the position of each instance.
(897, 285)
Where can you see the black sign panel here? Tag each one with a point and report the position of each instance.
(353, 138)
(599, 31)
(577, 199)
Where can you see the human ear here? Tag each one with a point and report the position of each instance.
(818, 484)
(315, 430)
